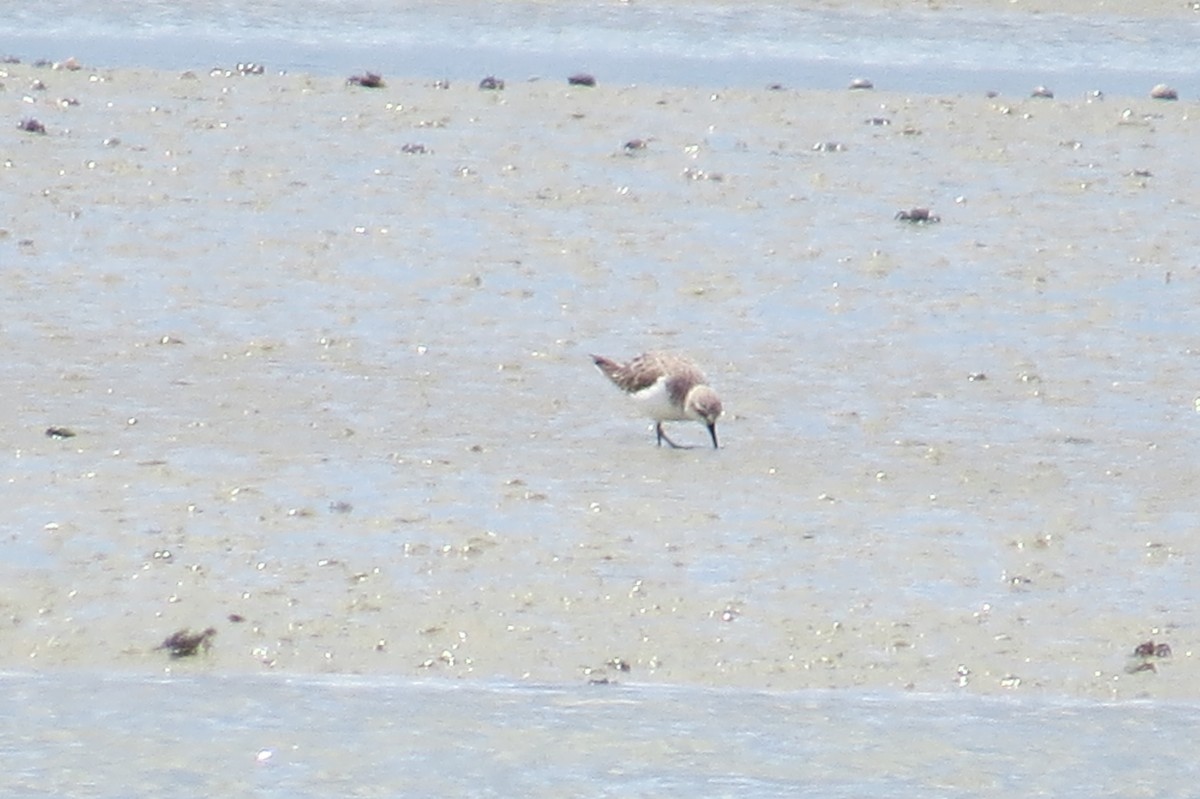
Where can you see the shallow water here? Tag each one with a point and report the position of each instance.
(356, 737)
(693, 44)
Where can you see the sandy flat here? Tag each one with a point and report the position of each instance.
(323, 353)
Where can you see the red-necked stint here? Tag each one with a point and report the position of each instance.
(667, 388)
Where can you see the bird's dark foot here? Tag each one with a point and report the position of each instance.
(663, 437)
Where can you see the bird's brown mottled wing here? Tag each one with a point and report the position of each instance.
(634, 376)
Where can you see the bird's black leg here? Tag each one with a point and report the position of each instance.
(662, 436)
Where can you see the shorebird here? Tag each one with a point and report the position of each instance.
(667, 388)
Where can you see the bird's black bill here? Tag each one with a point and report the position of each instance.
(712, 431)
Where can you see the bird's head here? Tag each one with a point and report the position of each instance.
(704, 405)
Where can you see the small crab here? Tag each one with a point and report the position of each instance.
(368, 80)
(31, 125)
(1148, 649)
(185, 643)
(918, 216)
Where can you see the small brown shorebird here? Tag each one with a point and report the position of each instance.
(667, 388)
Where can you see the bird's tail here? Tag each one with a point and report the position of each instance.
(608, 367)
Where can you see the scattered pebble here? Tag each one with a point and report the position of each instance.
(1164, 92)
(251, 68)
(861, 83)
(581, 79)
(414, 149)
(491, 83)
(700, 174)
(635, 144)
(1043, 92)
(59, 432)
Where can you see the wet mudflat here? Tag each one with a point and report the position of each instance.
(322, 350)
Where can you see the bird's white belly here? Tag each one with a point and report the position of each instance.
(655, 403)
